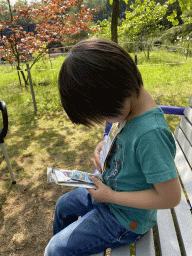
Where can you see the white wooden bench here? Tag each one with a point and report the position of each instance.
(172, 236)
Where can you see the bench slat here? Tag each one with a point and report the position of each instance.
(184, 143)
(145, 246)
(168, 242)
(122, 251)
(188, 113)
(183, 219)
(184, 171)
(182, 212)
(186, 128)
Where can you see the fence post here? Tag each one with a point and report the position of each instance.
(136, 61)
(31, 85)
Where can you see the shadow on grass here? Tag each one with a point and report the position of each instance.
(27, 208)
(26, 217)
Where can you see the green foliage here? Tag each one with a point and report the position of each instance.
(102, 30)
(144, 22)
(187, 17)
(143, 19)
(175, 34)
(185, 5)
(172, 17)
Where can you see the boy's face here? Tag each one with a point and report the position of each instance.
(123, 117)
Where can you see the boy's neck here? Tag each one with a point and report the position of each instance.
(134, 106)
(138, 106)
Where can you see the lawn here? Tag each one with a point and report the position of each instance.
(48, 138)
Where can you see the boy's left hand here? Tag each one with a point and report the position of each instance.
(102, 193)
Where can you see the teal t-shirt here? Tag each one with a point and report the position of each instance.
(142, 154)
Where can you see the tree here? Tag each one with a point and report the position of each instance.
(109, 29)
(52, 23)
(114, 21)
(142, 21)
(184, 5)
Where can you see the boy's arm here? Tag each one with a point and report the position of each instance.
(164, 195)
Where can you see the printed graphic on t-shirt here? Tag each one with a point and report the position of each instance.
(114, 164)
(114, 131)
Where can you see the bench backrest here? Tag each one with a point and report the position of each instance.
(173, 232)
(183, 136)
(175, 225)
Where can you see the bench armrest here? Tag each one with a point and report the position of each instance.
(3, 131)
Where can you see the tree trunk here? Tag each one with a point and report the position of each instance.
(20, 72)
(24, 79)
(19, 75)
(115, 15)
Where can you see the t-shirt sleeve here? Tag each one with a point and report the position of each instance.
(156, 152)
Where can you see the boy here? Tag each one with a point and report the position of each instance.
(100, 82)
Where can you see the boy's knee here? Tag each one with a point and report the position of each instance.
(57, 248)
(52, 248)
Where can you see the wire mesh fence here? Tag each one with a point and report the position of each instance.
(155, 50)
(157, 53)
(138, 47)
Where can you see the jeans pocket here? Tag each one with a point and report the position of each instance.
(128, 237)
(123, 235)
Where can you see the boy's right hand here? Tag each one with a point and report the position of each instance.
(97, 158)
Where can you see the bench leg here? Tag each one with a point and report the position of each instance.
(8, 163)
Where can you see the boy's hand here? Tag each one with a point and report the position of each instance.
(102, 193)
(97, 158)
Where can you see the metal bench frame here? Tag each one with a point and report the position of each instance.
(3, 133)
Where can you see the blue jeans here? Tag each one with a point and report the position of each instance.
(95, 231)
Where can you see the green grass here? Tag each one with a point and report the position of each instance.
(19, 100)
(48, 138)
(168, 84)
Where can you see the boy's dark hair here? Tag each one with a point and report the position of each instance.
(96, 79)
